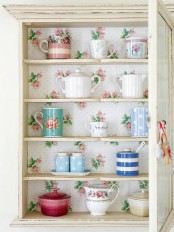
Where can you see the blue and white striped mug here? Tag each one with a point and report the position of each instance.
(139, 122)
(127, 163)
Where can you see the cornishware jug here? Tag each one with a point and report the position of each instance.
(132, 85)
(77, 84)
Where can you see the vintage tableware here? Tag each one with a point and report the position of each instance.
(127, 163)
(100, 48)
(78, 84)
(56, 50)
(62, 162)
(52, 122)
(98, 198)
(54, 203)
(97, 129)
(139, 203)
(136, 47)
(77, 162)
(132, 85)
(139, 122)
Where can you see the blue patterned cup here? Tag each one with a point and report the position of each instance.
(77, 162)
(127, 163)
(62, 162)
(52, 122)
(139, 122)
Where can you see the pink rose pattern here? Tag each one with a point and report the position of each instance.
(34, 36)
(34, 79)
(60, 73)
(109, 95)
(81, 55)
(53, 95)
(52, 123)
(82, 105)
(101, 73)
(98, 33)
(34, 165)
(99, 117)
(80, 146)
(98, 161)
(126, 121)
(32, 122)
(79, 185)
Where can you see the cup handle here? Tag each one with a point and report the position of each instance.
(119, 88)
(86, 126)
(112, 49)
(40, 46)
(35, 117)
(57, 79)
(99, 81)
(113, 190)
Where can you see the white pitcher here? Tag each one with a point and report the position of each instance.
(132, 85)
(78, 84)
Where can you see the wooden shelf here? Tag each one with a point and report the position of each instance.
(85, 61)
(86, 139)
(82, 219)
(86, 100)
(91, 177)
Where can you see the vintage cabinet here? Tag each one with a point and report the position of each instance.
(153, 20)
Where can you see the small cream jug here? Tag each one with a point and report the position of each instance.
(132, 85)
(77, 84)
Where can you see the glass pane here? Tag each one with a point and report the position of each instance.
(164, 74)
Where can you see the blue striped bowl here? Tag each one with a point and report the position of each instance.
(127, 163)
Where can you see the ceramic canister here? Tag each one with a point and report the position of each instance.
(136, 47)
(127, 163)
(77, 162)
(62, 162)
(139, 123)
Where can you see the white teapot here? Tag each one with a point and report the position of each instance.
(98, 198)
(132, 85)
(77, 84)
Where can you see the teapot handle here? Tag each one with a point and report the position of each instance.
(86, 126)
(111, 51)
(120, 89)
(57, 79)
(40, 46)
(35, 117)
(113, 190)
(99, 81)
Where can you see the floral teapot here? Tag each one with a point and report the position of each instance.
(98, 198)
(78, 84)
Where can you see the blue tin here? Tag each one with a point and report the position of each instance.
(127, 163)
(139, 124)
(62, 162)
(77, 163)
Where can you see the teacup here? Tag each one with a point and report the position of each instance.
(100, 48)
(97, 129)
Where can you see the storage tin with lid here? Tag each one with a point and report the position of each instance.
(62, 162)
(77, 162)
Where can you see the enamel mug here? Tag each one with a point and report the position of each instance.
(136, 47)
(139, 122)
(97, 129)
(132, 85)
(62, 162)
(77, 162)
(52, 122)
(127, 163)
(100, 48)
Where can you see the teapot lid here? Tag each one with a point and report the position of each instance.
(78, 73)
(142, 194)
(54, 195)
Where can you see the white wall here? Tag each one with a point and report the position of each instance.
(9, 87)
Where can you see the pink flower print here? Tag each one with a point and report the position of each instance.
(102, 34)
(39, 75)
(39, 161)
(82, 148)
(39, 118)
(115, 94)
(36, 84)
(135, 48)
(145, 94)
(55, 184)
(52, 123)
(35, 169)
(85, 54)
(35, 42)
(35, 127)
(101, 73)
(38, 33)
(54, 94)
(128, 125)
(132, 31)
(100, 28)
(105, 182)
(82, 105)
(100, 156)
(106, 94)
(59, 73)
(67, 73)
(102, 163)
(82, 190)
(58, 32)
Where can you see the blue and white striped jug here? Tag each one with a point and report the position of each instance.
(139, 122)
(127, 163)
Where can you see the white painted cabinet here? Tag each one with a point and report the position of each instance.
(38, 90)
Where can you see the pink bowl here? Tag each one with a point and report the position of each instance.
(55, 203)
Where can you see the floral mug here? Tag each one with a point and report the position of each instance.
(52, 122)
(97, 129)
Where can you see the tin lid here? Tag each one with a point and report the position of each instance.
(77, 154)
(127, 149)
(142, 194)
(55, 195)
(78, 73)
(62, 154)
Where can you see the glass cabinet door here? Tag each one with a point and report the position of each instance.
(160, 109)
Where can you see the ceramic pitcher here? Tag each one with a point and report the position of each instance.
(100, 48)
(132, 85)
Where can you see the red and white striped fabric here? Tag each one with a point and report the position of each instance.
(59, 51)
